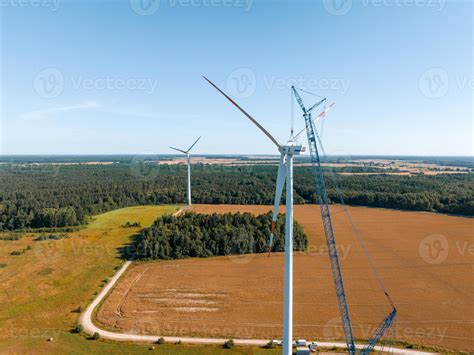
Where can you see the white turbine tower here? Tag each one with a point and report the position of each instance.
(285, 172)
(189, 167)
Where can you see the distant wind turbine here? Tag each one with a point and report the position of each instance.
(189, 167)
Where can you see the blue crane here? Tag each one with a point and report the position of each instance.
(313, 138)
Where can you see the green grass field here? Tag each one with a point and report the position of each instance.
(43, 286)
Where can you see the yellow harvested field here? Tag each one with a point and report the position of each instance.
(425, 259)
(389, 167)
(42, 288)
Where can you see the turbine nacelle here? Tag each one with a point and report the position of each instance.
(292, 148)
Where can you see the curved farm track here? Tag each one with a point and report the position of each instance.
(241, 297)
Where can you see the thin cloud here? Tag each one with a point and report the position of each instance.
(52, 111)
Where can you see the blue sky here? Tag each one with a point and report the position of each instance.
(98, 77)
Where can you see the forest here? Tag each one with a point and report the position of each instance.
(55, 196)
(202, 235)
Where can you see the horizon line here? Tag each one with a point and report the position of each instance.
(227, 155)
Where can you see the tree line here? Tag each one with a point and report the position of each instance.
(203, 235)
(43, 196)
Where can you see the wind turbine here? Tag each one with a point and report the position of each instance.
(189, 166)
(285, 174)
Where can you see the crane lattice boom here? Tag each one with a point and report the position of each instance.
(327, 225)
(313, 138)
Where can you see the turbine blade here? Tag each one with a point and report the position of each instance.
(299, 133)
(191, 147)
(321, 115)
(245, 113)
(281, 177)
(179, 150)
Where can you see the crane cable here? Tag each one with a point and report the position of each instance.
(310, 93)
(322, 123)
(292, 113)
(354, 228)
